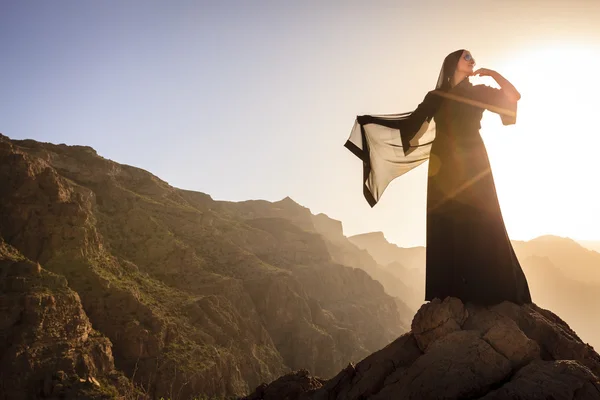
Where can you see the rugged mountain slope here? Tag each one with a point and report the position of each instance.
(196, 296)
(337, 247)
(386, 253)
(345, 252)
(48, 347)
(457, 351)
(407, 265)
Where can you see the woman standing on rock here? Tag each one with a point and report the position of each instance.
(468, 253)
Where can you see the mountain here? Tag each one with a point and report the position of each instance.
(458, 351)
(384, 252)
(593, 245)
(195, 296)
(345, 252)
(337, 247)
(572, 258)
(406, 265)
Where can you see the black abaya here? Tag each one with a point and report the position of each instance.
(468, 252)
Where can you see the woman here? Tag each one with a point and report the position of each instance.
(468, 252)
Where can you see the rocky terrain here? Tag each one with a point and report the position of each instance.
(186, 295)
(458, 351)
(48, 347)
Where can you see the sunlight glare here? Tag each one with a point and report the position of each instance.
(544, 165)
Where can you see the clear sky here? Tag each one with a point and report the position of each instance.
(254, 100)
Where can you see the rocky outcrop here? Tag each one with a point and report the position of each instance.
(458, 351)
(197, 297)
(48, 348)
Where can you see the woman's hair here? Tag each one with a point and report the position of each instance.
(448, 69)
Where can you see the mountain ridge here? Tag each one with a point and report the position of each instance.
(196, 295)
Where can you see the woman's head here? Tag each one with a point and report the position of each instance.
(465, 64)
(459, 64)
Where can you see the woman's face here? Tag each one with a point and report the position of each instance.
(466, 63)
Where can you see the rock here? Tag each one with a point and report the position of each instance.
(507, 339)
(289, 387)
(368, 376)
(503, 334)
(557, 341)
(436, 319)
(459, 365)
(93, 381)
(557, 380)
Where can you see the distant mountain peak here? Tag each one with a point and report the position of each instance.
(553, 240)
(289, 203)
(379, 235)
(546, 238)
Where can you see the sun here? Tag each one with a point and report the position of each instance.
(545, 164)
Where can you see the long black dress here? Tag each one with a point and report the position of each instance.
(468, 251)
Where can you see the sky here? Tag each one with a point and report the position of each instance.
(255, 100)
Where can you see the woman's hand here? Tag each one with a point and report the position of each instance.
(484, 72)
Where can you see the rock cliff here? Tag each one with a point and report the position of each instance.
(458, 351)
(48, 347)
(196, 296)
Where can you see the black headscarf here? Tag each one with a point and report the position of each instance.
(448, 69)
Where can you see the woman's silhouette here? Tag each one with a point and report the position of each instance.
(468, 251)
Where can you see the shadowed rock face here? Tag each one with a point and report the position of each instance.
(47, 345)
(196, 296)
(463, 352)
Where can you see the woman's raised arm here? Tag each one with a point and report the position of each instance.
(507, 88)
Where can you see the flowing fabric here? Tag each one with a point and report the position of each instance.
(391, 145)
(468, 252)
